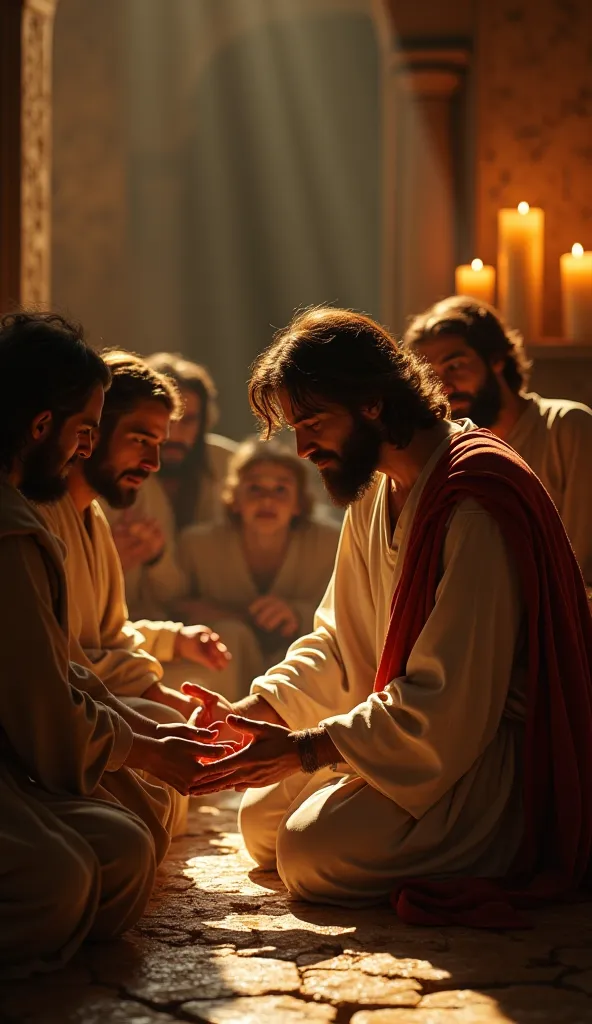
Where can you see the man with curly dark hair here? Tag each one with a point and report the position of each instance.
(82, 833)
(430, 739)
(484, 369)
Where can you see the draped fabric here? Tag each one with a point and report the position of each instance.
(555, 853)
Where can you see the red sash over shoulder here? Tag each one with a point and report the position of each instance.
(557, 844)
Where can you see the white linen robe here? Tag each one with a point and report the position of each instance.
(554, 437)
(430, 782)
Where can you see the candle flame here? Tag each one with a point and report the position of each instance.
(577, 250)
(523, 208)
(478, 264)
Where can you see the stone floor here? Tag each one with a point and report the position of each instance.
(222, 944)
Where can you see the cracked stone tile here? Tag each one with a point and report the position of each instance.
(223, 943)
(479, 1014)
(184, 974)
(492, 959)
(389, 966)
(351, 987)
(341, 962)
(62, 999)
(260, 1010)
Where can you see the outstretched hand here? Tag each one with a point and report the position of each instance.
(213, 711)
(201, 645)
(270, 756)
(177, 755)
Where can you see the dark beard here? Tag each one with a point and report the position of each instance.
(356, 466)
(42, 479)
(100, 477)
(484, 407)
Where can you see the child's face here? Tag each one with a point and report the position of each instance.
(267, 497)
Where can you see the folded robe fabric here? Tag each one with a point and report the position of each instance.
(554, 858)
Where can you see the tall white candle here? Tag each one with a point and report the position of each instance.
(520, 268)
(576, 294)
(476, 280)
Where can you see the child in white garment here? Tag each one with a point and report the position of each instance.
(258, 575)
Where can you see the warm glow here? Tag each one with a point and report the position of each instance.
(577, 250)
(478, 264)
(523, 208)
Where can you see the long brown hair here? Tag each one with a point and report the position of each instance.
(482, 327)
(347, 358)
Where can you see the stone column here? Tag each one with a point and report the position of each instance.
(25, 151)
(422, 162)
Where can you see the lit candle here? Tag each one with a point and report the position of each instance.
(576, 293)
(520, 268)
(476, 280)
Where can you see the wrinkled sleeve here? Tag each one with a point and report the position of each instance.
(62, 737)
(575, 443)
(158, 638)
(417, 739)
(312, 681)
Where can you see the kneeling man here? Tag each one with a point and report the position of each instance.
(436, 724)
(81, 833)
(126, 656)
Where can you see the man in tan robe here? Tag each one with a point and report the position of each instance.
(138, 405)
(484, 369)
(81, 833)
(355, 789)
(186, 491)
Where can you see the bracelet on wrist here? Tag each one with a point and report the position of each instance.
(307, 751)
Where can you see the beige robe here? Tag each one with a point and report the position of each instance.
(431, 774)
(214, 561)
(81, 834)
(150, 589)
(102, 638)
(554, 437)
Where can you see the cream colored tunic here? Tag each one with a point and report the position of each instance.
(101, 637)
(150, 589)
(81, 835)
(554, 437)
(431, 778)
(214, 561)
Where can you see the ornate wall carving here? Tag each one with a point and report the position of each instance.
(37, 26)
(25, 151)
(535, 126)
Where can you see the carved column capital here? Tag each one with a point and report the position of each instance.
(26, 28)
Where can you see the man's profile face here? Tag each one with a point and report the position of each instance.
(344, 446)
(183, 434)
(47, 464)
(472, 387)
(125, 457)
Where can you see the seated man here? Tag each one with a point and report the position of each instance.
(134, 424)
(484, 369)
(81, 834)
(186, 491)
(436, 724)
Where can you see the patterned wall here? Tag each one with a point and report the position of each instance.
(534, 125)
